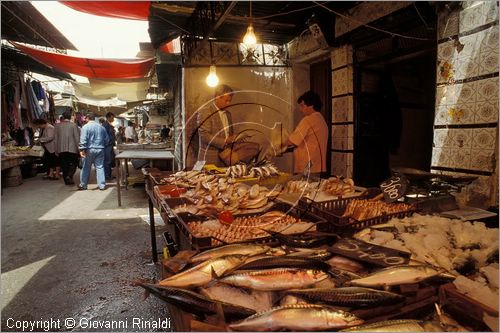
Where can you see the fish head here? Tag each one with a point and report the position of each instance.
(319, 275)
(334, 316)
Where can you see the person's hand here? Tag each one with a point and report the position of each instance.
(83, 153)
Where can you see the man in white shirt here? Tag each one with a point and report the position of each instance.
(130, 133)
(215, 129)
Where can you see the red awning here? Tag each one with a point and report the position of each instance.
(132, 10)
(91, 68)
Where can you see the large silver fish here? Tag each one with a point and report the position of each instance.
(203, 273)
(298, 317)
(276, 279)
(244, 249)
(348, 296)
(398, 325)
(397, 275)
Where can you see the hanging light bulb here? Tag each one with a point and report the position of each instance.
(212, 79)
(249, 39)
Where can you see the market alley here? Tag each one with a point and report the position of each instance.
(76, 253)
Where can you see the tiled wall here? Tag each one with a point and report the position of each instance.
(342, 111)
(466, 119)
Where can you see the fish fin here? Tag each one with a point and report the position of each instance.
(215, 278)
(286, 249)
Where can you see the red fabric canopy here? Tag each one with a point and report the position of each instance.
(132, 10)
(91, 68)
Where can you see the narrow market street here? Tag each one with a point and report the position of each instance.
(76, 253)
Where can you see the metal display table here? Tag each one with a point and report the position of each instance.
(139, 154)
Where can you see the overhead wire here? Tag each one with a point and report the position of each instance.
(393, 34)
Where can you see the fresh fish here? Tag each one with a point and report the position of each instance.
(275, 279)
(203, 273)
(345, 264)
(319, 254)
(348, 296)
(253, 299)
(397, 275)
(341, 276)
(246, 249)
(195, 303)
(398, 325)
(298, 317)
(284, 261)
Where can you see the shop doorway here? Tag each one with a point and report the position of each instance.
(394, 115)
(321, 83)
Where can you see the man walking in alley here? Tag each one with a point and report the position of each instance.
(109, 155)
(93, 141)
(67, 138)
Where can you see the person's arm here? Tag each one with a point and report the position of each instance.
(83, 142)
(76, 135)
(48, 135)
(204, 121)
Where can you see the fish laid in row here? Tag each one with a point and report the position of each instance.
(348, 296)
(203, 273)
(397, 275)
(298, 317)
(192, 302)
(243, 249)
(275, 279)
(398, 325)
(285, 261)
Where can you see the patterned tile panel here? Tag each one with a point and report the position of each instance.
(483, 138)
(448, 24)
(342, 81)
(482, 159)
(486, 112)
(342, 109)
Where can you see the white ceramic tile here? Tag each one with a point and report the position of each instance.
(487, 90)
(463, 93)
(446, 51)
(488, 63)
(486, 112)
(342, 81)
(471, 18)
(463, 113)
(490, 11)
(484, 138)
(441, 117)
(482, 159)
(462, 138)
(442, 138)
(465, 67)
(460, 158)
(441, 157)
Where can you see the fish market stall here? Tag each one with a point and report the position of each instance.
(240, 259)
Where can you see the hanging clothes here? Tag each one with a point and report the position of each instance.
(36, 110)
(52, 108)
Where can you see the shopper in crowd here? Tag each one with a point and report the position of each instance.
(215, 126)
(310, 137)
(67, 139)
(51, 160)
(164, 133)
(93, 140)
(109, 154)
(130, 134)
(120, 138)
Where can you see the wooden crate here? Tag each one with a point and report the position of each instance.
(465, 310)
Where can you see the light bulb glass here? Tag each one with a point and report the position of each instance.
(249, 38)
(212, 79)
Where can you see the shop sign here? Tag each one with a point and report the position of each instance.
(366, 252)
(394, 187)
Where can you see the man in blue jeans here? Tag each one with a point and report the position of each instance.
(108, 151)
(93, 141)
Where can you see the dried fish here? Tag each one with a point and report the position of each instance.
(298, 317)
(345, 264)
(284, 261)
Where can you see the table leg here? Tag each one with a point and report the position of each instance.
(126, 174)
(154, 251)
(119, 179)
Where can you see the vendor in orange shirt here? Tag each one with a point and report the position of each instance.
(310, 137)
